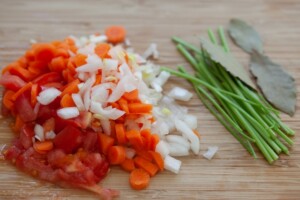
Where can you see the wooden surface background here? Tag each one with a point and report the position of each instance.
(232, 174)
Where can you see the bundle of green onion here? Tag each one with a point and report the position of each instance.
(241, 110)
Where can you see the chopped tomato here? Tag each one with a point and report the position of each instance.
(26, 135)
(12, 82)
(48, 78)
(24, 108)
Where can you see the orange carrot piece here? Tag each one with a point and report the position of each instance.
(124, 105)
(158, 160)
(139, 179)
(134, 138)
(18, 124)
(146, 134)
(62, 52)
(44, 51)
(133, 95)
(57, 64)
(115, 34)
(154, 141)
(21, 72)
(43, 146)
(7, 99)
(34, 94)
(120, 133)
(67, 101)
(146, 165)
(145, 154)
(132, 116)
(116, 155)
(79, 60)
(139, 108)
(128, 165)
(105, 142)
(49, 125)
(72, 87)
(102, 49)
(21, 91)
(98, 79)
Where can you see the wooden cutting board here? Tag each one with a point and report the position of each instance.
(233, 173)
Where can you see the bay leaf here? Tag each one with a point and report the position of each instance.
(245, 36)
(275, 83)
(227, 60)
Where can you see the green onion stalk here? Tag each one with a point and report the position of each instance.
(241, 110)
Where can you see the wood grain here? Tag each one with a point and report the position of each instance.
(232, 174)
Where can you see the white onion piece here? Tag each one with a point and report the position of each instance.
(87, 100)
(93, 64)
(39, 132)
(181, 94)
(160, 127)
(177, 149)
(87, 85)
(105, 124)
(178, 140)
(162, 78)
(78, 101)
(130, 153)
(191, 121)
(172, 164)
(48, 95)
(127, 42)
(189, 134)
(87, 49)
(50, 135)
(68, 113)
(162, 148)
(150, 51)
(117, 52)
(111, 64)
(108, 112)
(98, 38)
(212, 150)
(36, 108)
(126, 84)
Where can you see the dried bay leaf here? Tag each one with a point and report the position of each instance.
(245, 36)
(227, 60)
(276, 84)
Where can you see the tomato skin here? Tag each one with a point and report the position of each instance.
(24, 109)
(26, 135)
(68, 139)
(90, 141)
(12, 82)
(48, 78)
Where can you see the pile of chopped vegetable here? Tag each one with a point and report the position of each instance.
(227, 91)
(83, 104)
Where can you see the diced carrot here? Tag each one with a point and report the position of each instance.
(158, 160)
(79, 60)
(98, 79)
(7, 99)
(120, 133)
(139, 179)
(21, 72)
(62, 52)
(154, 141)
(56, 43)
(49, 125)
(115, 105)
(115, 34)
(72, 87)
(34, 93)
(128, 165)
(146, 165)
(123, 104)
(18, 124)
(135, 139)
(105, 142)
(23, 62)
(146, 134)
(44, 51)
(56, 85)
(102, 49)
(21, 91)
(116, 155)
(132, 116)
(57, 64)
(67, 101)
(133, 95)
(41, 147)
(197, 133)
(112, 128)
(145, 154)
(139, 108)
(29, 54)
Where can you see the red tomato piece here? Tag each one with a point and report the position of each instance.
(12, 82)
(24, 109)
(26, 135)
(68, 139)
(48, 78)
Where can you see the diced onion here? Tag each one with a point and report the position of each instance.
(105, 124)
(178, 140)
(48, 95)
(181, 94)
(209, 154)
(172, 164)
(68, 113)
(130, 153)
(162, 148)
(78, 101)
(177, 149)
(39, 132)
(191, 121)
(50, 135)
